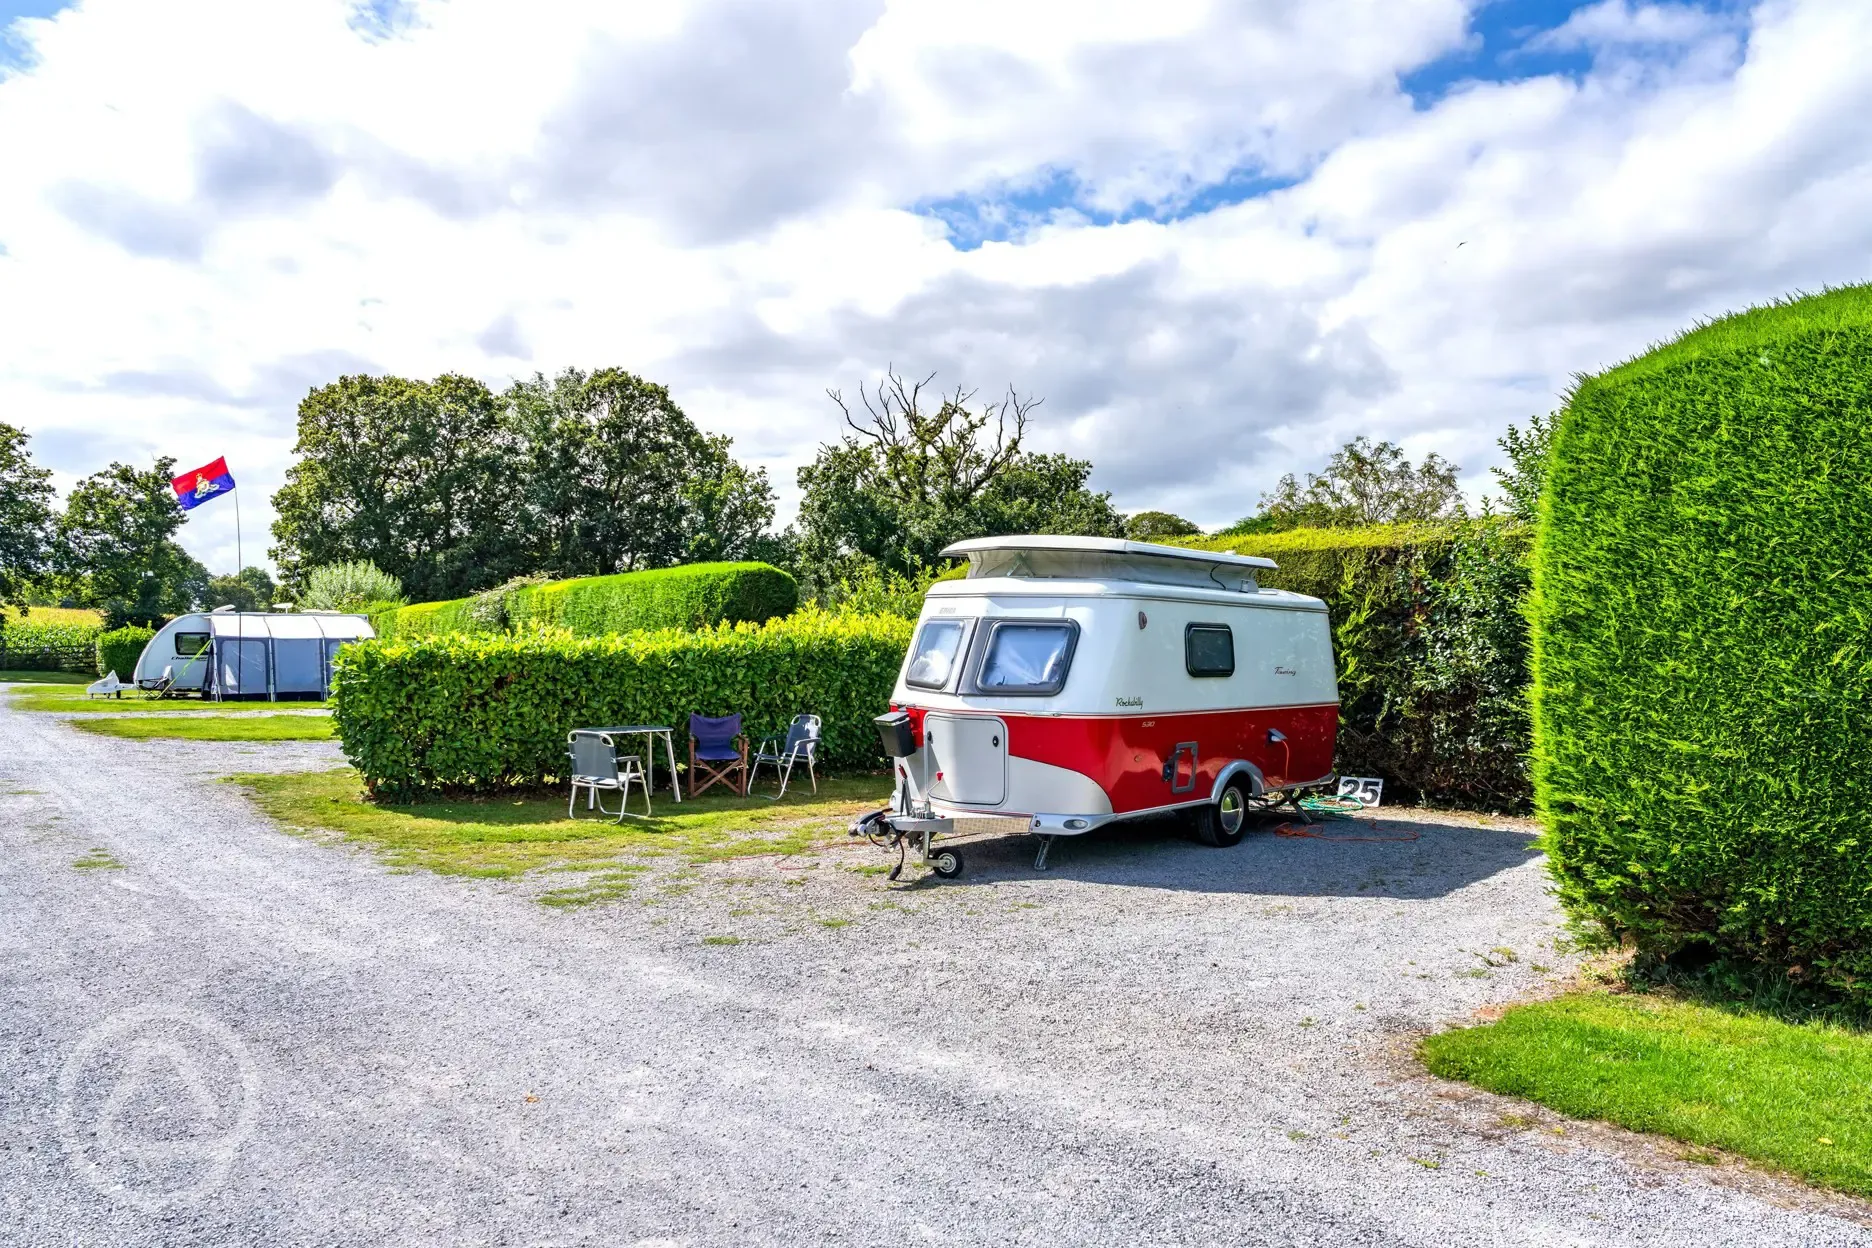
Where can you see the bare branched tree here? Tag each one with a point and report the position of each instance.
(945, 457)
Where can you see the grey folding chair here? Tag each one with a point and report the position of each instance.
(801, 746)
(596, 768)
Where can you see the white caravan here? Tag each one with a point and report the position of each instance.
(1073, 681)
(225, 653)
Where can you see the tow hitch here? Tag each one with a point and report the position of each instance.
(899, 832)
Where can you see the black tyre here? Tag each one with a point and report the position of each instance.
(1226, 822)
(947, 863)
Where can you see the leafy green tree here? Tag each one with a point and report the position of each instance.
(249, 590)
(1364, 483)
(913, 476)
(350, 586)
(416, 477)
(115, 545)
(25, 518)
(727, 508)
(1149, 526)
(1526, 475)
(452, 490)
(619, 479)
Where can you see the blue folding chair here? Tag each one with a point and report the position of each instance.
(717, 754)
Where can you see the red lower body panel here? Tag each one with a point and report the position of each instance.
(1126, 754)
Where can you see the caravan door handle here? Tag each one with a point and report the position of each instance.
(1174, 765)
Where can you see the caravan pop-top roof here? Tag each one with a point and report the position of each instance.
(1106, 559)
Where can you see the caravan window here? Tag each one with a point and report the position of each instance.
(933, 658)
(1028, 657)
(1209, 650)
(187, 644)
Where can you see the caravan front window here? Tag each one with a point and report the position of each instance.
(1028, 657)
(187, 644)
(933, 659)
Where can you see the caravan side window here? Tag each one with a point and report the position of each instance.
(933, 658)
(1209, 650)
(187, 644)
(1025, 657)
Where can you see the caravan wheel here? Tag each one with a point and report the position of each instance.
(1225, 823)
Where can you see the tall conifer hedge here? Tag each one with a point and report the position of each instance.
(1702, 630)
(1431, 646)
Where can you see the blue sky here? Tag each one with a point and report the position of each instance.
(1500, 32)
(11, 54)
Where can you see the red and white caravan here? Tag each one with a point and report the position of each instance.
(1073, 681)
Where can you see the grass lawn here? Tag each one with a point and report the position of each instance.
(64, 697)
(47, 678)
(1796, 1096)
(211, 727)
(507, 837)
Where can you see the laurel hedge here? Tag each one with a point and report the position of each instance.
(478, 713)
(1431, 646)
(1702, 623)
(696, 595)
(119, 650)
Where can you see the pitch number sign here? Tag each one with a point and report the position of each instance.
(1365, 790)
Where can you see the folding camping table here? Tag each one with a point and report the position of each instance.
(650, 732)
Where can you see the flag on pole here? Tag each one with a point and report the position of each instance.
(210, 481)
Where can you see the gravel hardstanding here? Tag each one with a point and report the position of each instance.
(244, 1037)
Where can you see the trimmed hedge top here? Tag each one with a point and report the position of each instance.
(1702, 617)
(697, 595)
(1839, 308)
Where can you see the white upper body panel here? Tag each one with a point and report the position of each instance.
(1129, 652)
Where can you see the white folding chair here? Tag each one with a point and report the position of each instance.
(596, 768)
(801, 746)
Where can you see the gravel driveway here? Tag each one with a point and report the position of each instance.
(245, 1037)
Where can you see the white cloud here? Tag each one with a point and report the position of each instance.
(211, 207)
(1612, 23)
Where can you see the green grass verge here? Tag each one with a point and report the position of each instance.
(46, 678)
(1788, 1095)
(211, 727)
(506, 837)
(65, 698)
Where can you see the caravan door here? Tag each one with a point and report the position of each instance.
(970, 751)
